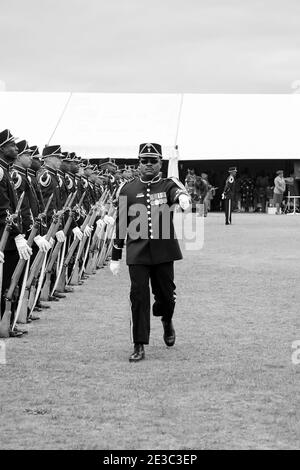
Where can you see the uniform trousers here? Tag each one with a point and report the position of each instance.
(11, 258)
(228, 210)
(161, 277)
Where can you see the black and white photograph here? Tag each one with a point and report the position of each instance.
(149, 228)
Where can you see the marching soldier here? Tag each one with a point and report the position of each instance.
(152, 249)
(228, 194)
(16, 247)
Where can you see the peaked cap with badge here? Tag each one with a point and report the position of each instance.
(5, 137)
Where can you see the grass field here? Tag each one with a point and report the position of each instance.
(228, 383)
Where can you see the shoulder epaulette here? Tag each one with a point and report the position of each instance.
(69, 181)
(121, 187)
(16, 178)
(44, 178)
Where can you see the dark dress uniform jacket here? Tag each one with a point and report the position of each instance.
(32, 177)
(229, 187)
(8, 201)
(49, 184)
(145, 208)
(30, 205)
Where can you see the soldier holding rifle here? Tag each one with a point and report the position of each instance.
(16, 246)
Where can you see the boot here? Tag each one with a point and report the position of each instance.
(138, 353)
(169, 332)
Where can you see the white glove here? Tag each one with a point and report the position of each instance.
(87, 231)
(108, 219)
(23, 249)
(1, 257)
(184, 201)
(42, 243)
(223, 196)
(77, 233)
(60, 236)
(51, 241)
(99, 226)
(115, 267)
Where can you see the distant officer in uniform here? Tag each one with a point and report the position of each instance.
(16, 246)
(152, 248)
(228, 194)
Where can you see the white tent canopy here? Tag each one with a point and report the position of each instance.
(205, 127)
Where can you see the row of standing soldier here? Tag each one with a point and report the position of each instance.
(56, 226)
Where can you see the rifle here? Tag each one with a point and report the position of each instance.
(93, 250)
(74, 278)
(21, 263)
(100, 244)
(38, 261)
(107, 242)
(9, 222)
(74, 244)
(48, 270)
(66, 229)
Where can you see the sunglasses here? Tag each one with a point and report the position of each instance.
(145, 160)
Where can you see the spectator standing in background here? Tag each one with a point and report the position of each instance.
(279, 189)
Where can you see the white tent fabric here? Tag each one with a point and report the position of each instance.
(228, 127)
(205, 127)
(31, 116)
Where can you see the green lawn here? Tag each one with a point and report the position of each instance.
(229, 381)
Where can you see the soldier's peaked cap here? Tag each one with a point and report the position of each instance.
(52, 151)
(23, 147)
(5, 137)
(108, 164)
(232, 168)
(66, 156)
(35, 151)
(150, 150)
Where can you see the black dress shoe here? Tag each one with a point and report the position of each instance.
(33, 317)
(68, 289)
(169, 333)
(53, 299)
(138, 353)
(42, 306)
(37, 309)
(15, 334)
(19, 330)
(58, 295)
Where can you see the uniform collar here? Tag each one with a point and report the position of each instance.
(60, 173)
(156, 179)
(31, 172)
(20, 169)
(48, 168)
(4, 164)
